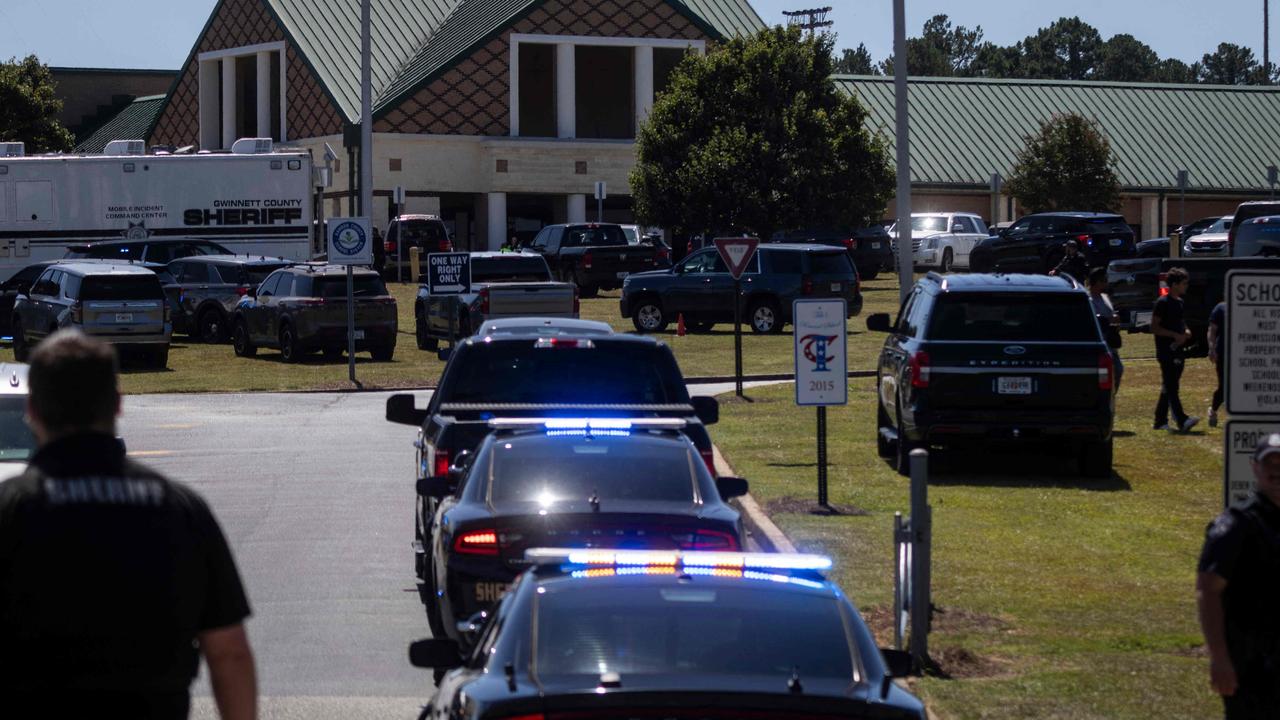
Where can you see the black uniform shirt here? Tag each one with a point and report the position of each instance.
(1169, 311)
(1074, 265)
(108, 571)
(1243, 547)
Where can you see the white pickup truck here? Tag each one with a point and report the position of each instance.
(503, 284)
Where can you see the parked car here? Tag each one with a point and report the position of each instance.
(595, 256)
(869, 248)
(204, 291)
(675, 635)
(303, 308)
(1247, 211)
(503, 285)
(1192, 229)
(943, 240)
(1034, 244)
(1010, 358)
(17, 285)
(1153, 247)
(1211, 241)
(154, 252)
(122, 304)
(701, 288)
(428, 233)
(594, 483)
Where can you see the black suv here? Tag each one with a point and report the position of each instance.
(1035, 244)
(701, 288)
(204, 290)
(869, 248)
(976, 358)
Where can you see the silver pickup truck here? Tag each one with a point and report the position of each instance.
(502, 285)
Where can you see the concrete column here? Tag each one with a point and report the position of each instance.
(264, 93)
(1150, 217)
(566, 89)
(644, 83)
(210, 116)
(577, 208)
(497, 221)
(228, 102)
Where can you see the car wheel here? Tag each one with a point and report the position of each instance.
(289, 351)
(883, 446)
(648, 316)
(211, 327)
(383, 353)
(21, 351)
(1095, 461)
(240, 341)
(764, 317)
(947, 261)
(424, 341)
(435, 619)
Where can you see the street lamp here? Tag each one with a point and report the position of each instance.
(905, 254)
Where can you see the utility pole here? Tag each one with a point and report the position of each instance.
(809, 19)
(901, 141)
(1266, 42)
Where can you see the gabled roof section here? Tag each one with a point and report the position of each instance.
(132, 123)
(475, 22)
(963, 129)
(327, 33)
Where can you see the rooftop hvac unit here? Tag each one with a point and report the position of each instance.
(251, 146)
(12, 149)
(125, 147)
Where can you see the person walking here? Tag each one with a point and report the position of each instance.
(1106, 317)
(1072, 263)
(1171, 333)
(1217, 329)
(1237, 583)
(113, 579)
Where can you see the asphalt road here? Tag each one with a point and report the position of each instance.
(315, 493)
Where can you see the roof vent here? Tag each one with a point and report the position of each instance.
(125, 147)
(12, 149)
(251, 146)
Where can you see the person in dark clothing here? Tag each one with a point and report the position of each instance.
(113, 579)
(1171, 333)
(1217, 327)
(1237, 583)
(1072, 263)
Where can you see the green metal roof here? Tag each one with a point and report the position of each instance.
(963, 130)
(132, 123)
(727, 17)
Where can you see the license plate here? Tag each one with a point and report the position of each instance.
(359, 334)
(1116, 242)
(124, 317)
(875, 246)
(1141, 318)
(1014, 386)
(621, 275)
(490, 592)
(835, 287)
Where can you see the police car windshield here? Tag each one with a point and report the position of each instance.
(585, 630)
(16, 441)
(1007, 317)
(550, 469)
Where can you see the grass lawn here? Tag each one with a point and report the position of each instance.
(1057, 597)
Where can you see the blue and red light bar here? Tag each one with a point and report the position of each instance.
(742, 561)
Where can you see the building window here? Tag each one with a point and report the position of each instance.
(242, 94)
(537, 80)
(605, 99)
(393, 164)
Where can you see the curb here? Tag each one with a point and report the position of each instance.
(759, 526)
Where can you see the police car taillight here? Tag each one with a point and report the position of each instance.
(707, 540)
(441, 462)
(709, 458)
(806, 285)
(1163, 278)
(242, 290)
(918, 364)
(477, 542)
(850, 244)
(484, 301)
(586, 260)
(1106, 371)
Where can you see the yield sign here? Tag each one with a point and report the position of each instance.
(737, 253)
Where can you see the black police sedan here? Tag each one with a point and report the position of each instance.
(588, 483)
(596, 634)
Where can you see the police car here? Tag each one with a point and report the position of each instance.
(594, 634)
(17, 444)
(577, 482)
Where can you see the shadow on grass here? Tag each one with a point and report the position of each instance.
(1018, 467)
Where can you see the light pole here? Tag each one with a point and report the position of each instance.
(905, 254)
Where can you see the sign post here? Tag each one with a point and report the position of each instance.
(449, 274)
(398, 198)
(1251, 374)
(350, 243)
(821, 367)
(737, 254)
(601, 194)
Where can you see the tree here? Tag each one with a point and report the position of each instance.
(754, 137)
(29, 107)
(1229, 65)
(997, 61)
(1069, 49)
(856, 62)
(1124, 58)
(1172, 70)
(1067, 166)
(941, 50)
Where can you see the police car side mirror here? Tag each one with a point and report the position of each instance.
(401, 409)
(707, 409)
(897, 663)
(438, 653)
(878, 322)
(731, 487)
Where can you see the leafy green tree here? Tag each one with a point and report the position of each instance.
(941, 50)
(1229, 65)
(1069, 49)
(1124, 58)
(1172, 70)
(1068, 165)
(856, 62)
(29, 107)
(754, 137)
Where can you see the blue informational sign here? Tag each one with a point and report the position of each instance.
(350, 241)
(821, 352)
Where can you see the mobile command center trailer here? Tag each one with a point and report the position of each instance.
(251, 200)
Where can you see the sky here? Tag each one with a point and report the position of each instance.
(160, 33)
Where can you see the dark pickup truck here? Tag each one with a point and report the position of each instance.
(595, 256)
(523, 376)
(1135, 284)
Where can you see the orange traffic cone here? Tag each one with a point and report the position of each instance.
(679, 324)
